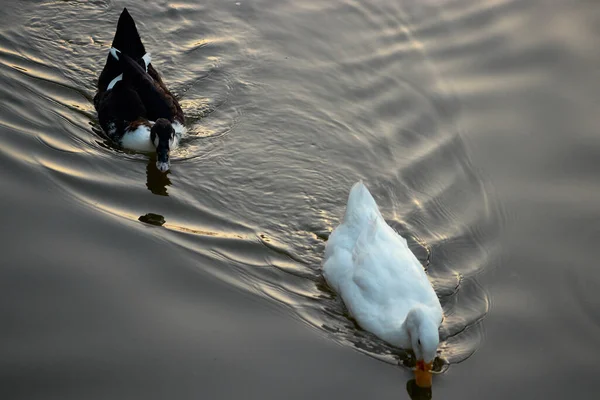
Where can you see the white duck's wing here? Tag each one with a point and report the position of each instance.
(387, 272)
(360, 210)
(369, 274)
(407, 275)
(346, 254)
(366, 288)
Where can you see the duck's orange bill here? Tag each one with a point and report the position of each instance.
(423, 374)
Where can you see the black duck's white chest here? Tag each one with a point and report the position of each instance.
(139, 138)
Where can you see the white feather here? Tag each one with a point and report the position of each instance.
(114, 52)
(147, 60)
(114, 82)
(180, 130)
(138, 139)
(112, 128)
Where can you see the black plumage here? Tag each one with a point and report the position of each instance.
(141, 95)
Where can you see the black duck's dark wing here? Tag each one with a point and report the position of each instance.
(118, 107)
(158, 102)
(175, 107)
(111, 70)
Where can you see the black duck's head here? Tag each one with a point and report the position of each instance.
(162, 135)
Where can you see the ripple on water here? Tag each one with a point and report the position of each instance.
(406, 130)
(267, 205)
(203, 86)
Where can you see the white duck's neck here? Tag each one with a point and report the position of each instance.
(413, 320)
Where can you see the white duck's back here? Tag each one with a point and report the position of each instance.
(374, 271)
(360, 210)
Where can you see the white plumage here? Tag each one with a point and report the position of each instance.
(380, 280)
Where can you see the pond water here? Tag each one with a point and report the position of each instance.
(473, 123)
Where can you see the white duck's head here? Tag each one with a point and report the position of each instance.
(162, 135)
(424, 337)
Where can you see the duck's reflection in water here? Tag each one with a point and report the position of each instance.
(156, 181)
(418, 393)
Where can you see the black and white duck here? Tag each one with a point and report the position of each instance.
(134, 106)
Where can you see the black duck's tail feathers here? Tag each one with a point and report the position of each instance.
(127, 39)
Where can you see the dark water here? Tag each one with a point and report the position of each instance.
(475, 124)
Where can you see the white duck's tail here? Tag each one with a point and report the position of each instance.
(361, 208)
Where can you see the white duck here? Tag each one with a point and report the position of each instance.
(382, 283)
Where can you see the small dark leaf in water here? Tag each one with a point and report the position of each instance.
(152, 219)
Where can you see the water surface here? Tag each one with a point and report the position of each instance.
(474, 124)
